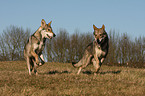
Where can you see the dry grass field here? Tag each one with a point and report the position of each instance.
(60, 79)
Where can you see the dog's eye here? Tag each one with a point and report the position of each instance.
(95, 34)
(48, 29)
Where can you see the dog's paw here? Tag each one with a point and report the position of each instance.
(37, 62)
(42, 62)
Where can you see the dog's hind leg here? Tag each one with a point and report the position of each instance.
(31, 65)
(28, 65)
(86, 62)
(79, 70)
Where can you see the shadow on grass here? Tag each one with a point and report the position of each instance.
(107, 72)
(84, 72)
(112, 72)
(57, 72)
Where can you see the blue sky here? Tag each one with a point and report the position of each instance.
(123, 16)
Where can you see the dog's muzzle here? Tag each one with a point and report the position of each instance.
(50, 37)
(98, 41)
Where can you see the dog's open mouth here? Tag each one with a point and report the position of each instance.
(49, 36)
(98, 41)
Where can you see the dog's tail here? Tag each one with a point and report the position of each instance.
(73, 64)
(76, 65)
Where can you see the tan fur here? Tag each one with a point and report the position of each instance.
(35, 45)
(96, 51)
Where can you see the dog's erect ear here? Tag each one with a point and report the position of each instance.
(95, 28)
(43, 23)
(103, 27)
(49, 24)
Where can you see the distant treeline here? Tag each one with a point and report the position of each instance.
(65, 47)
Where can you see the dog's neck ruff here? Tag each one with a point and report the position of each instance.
(98, 45)
(35, 37)
(40, 39)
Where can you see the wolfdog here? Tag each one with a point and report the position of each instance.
(35, 45)
(96, 51)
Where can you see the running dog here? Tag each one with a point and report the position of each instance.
(35, 45)
(96, 51)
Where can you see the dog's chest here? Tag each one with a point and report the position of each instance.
(99, 52)
(39, 46)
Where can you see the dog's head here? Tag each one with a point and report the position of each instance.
(99, 34)
(46, 30)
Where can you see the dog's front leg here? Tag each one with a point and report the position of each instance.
(35, 56)
(97, 64)
(102, 60)
(35, 66)
(42, 60)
